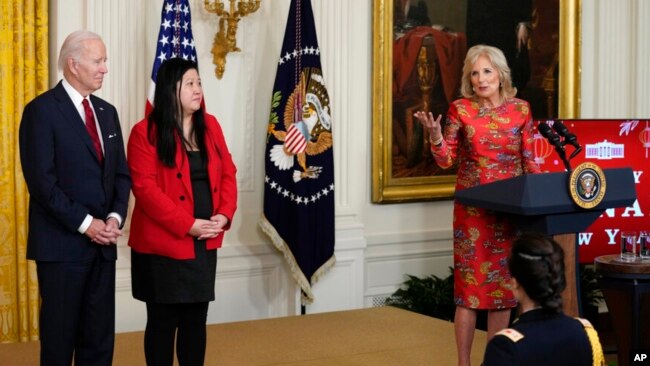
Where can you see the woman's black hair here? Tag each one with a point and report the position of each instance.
(167, 112)
(537, 263)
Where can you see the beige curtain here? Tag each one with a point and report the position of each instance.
(23, 75)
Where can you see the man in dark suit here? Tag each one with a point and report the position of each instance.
(73, 160)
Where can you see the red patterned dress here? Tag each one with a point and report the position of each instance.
(488, 145)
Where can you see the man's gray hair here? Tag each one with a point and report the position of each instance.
(73, 46)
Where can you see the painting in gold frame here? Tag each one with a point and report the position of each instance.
(386, 187)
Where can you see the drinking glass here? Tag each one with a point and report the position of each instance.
(644, 245)
(628, 246)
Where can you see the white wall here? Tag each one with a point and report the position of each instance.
(376, 244)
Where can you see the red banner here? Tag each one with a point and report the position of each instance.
(608, 144)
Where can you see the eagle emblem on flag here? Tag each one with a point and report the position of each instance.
(307, 126)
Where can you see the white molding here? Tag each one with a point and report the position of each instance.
(245, 292)
(247, 287)
(388, 264)
(333, 27)
(342, 287)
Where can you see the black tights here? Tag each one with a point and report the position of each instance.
(163, 321)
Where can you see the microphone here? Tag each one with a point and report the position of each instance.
(551, 136)
(554, 139)
(570, 138)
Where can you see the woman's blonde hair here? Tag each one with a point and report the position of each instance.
(498, 61)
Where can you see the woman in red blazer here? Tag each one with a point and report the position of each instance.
(185, 197)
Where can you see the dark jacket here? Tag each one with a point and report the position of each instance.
(540, 338)
(65, 180)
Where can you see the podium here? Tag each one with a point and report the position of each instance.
(543, 203)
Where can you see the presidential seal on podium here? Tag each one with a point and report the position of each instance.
(587, 185)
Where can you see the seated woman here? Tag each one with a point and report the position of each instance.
(543, 334)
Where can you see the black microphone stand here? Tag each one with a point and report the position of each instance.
(568, 138)
(555, 140)
(559, 147)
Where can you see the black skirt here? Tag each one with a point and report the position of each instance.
(164, 280)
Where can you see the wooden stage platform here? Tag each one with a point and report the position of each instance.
(374, 336)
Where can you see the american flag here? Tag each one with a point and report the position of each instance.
(174, 40)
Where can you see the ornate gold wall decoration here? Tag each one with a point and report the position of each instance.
(225, 40)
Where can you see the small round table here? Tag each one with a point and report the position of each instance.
(626, 288)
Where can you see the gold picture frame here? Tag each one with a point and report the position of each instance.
(389, 189)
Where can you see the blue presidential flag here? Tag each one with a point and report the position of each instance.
(299, 183)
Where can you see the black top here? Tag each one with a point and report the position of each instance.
(548, 339)
(165, 280)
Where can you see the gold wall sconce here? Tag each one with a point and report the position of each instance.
(225, 40)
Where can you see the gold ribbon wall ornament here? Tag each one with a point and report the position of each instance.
(225, 40)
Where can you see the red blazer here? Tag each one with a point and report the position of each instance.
(164, 204)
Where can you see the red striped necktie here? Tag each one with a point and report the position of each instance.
(92, 129)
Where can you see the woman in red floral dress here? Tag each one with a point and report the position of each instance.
(489, 134)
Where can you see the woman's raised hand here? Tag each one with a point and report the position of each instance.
(430, 124)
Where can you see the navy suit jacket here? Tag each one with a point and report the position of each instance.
(64, 177)
(546, 339)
